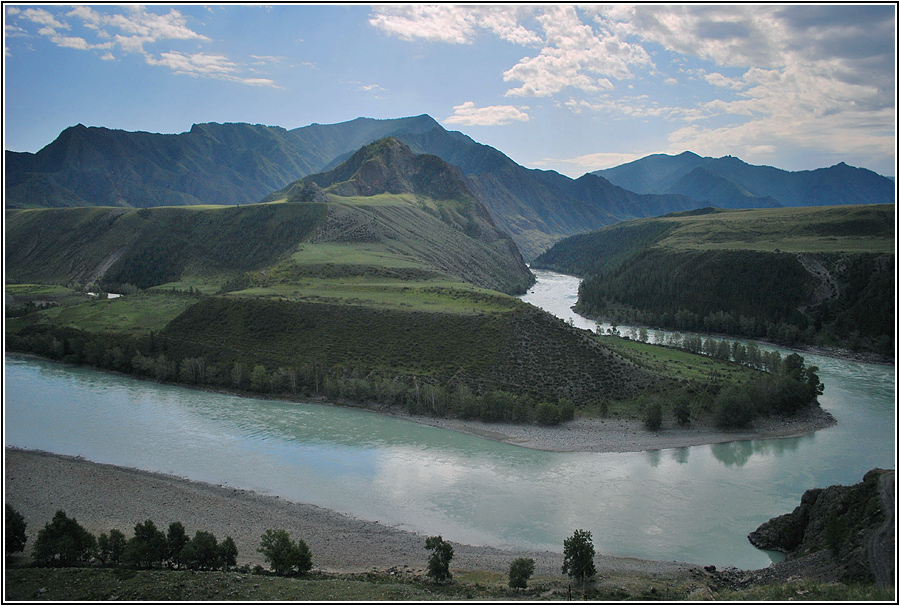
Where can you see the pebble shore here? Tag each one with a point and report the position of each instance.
(102, 497)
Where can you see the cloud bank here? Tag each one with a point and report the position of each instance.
(756, 77)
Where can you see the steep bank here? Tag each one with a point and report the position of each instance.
(844, 533)
(794, 276)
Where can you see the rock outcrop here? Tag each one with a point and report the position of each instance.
(846, 531)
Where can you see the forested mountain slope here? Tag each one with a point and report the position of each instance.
(817, 275)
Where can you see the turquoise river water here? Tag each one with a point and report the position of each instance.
(689, 504)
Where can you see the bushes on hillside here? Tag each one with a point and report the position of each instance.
(152, 357)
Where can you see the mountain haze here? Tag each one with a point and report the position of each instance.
(729, 182)
(243, 164)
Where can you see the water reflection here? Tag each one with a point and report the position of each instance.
(737, 454)
(680, 455)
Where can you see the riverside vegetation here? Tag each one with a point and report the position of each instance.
(820, 276)
(69, 563)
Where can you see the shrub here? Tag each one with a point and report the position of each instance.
(176, 539)
(578, 556)
(201, 552)
(63, 541)
(147, 547)
(653, 420)
(284, 555)
(14, 526)
(682, 412)
(733, 408)
(439, 561)
(111, 548)
(520, 570)
(547, 414)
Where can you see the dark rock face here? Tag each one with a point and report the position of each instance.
(846, 522)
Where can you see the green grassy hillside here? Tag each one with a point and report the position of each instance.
(815, 275)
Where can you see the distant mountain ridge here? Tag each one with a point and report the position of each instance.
(729, 182)
(244, 163)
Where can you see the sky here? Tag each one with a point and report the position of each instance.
(571, 88)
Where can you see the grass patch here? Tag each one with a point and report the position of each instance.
(106, 584)
(370, 253)
(849, 229)
(37, 290)
(677, 363)
(135, 315)
(438, 295)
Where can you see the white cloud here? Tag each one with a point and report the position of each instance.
(204, 65)
(134, 28)
(437, 23)
(637, 107)
(453, 24)
(39, 15)
(591, 162)
(494, 115)
(575, 56)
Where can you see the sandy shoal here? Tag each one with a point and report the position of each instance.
(102, 497)
(617, 435)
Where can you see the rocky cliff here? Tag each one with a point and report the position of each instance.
(843, 533)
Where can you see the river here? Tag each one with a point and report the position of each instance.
(692, 504)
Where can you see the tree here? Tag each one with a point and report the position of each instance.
(228, 553)
(259, 378)
(63, 541)
(14, 526)
(733, 408)
(283, 555)
(439, 560)
(578, 556)
(653, 420)
(147, 546)
(111, 548)
(201, 552)
(176, 539)
(520, 570)
(682, 412)
(811, 374)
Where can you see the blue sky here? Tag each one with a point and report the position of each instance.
(571, 88)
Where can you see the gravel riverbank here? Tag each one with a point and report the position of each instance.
(102, 497)
(611, 435)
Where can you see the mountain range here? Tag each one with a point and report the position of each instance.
(729, 182)
(244, 163)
